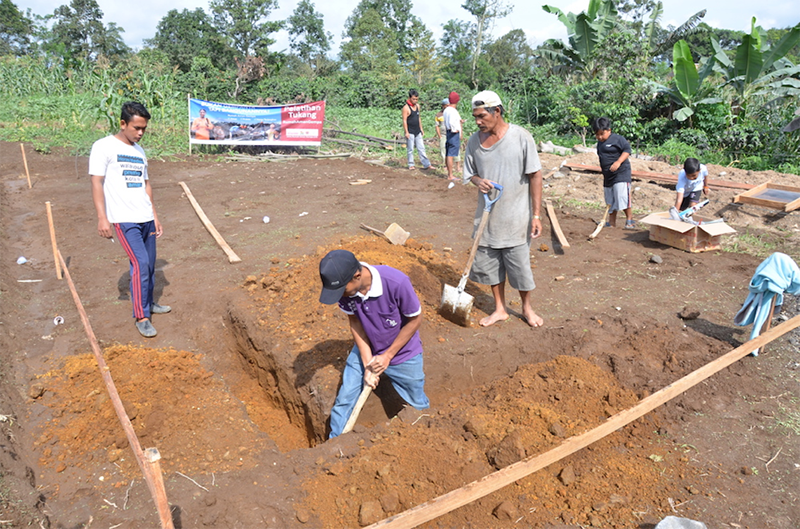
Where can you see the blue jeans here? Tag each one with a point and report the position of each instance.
(416, 141)
(407, 378)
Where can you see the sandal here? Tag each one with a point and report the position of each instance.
(630, 224)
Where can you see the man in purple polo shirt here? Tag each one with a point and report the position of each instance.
(384, 314)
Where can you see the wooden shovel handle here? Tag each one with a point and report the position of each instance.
(359, 404)
(602, 223)
(477, 241)
(375, 231)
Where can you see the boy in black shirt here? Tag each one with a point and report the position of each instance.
(614, 151)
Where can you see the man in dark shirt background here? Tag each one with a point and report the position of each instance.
(412, 126)
(614, 151)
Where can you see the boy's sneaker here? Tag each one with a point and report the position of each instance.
(146, 328)
(155, 308)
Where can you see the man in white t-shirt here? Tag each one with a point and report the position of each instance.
(452, 127)
(123, 199)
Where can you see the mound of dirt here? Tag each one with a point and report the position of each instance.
(174, 404)
(616, 483)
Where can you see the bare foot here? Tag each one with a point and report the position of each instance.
(493, 318)
(533, 319)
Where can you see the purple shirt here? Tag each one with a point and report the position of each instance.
(383, 310)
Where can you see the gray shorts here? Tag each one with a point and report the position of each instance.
(493, 265)
(618, 196)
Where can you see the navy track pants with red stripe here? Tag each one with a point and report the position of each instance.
(138, 239)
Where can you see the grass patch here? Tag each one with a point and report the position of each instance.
(788, 420)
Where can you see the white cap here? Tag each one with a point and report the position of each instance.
(484, 99)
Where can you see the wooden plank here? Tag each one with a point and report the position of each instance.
(232, 257)
(516, 471)
(791, 206)
(554, 223)
(762, 202)
(663, 177)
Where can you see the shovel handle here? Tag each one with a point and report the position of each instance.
(482, 226)
(489, 203)
(351, 422)
(375, 231)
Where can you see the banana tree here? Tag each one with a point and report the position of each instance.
(689, 88)
(756, 71)
(585, 31)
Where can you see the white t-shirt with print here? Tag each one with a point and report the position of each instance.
(125, 170)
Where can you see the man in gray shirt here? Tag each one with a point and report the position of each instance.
(505, 154)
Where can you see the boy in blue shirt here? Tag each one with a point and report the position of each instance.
(691, 181)
(384, 314)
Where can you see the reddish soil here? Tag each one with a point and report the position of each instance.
(235, 389)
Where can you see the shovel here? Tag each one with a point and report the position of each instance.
(394, 233)
(457, 304)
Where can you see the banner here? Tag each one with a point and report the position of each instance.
(213, 123)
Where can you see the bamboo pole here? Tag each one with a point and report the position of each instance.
(130, 434)
(53, 239)
(25, 162)
(516, 471)
(232, 257)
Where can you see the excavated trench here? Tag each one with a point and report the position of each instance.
(303, 395)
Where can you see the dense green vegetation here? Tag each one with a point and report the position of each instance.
(720, 95)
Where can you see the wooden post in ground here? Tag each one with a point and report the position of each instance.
(116, 402)
(53, 239)
(516, 471)
(232, 257)
(25, 162)
(157, 482)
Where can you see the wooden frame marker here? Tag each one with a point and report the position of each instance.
(232, 257)
(25, 162)
(554, 223)
(53, 239)
(516, 471)
(160, 500)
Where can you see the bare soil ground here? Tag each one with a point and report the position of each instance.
(235, 389)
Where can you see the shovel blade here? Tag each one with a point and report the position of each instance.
(456, 305)
(396, 234)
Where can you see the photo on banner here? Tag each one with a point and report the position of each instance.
(213, 123)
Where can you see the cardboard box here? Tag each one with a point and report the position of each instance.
(684, 235)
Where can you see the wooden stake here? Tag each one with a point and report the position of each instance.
(516, 471)
(53, 239)
(351, 421)
(25, 161)
(159, 493)
(130, 434)
(554, 222)
(232, 257)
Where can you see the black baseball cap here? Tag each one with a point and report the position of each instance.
(336, 270)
